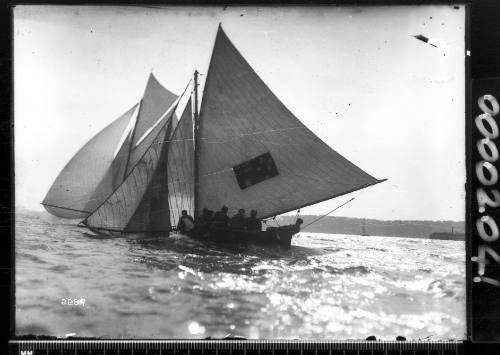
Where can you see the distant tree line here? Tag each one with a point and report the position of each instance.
(374, 227)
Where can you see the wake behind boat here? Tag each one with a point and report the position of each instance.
(243, 149)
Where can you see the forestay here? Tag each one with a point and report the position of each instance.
(242, 124)
(72, 193)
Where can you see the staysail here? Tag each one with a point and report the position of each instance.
(72, 193)
(139, 204)
(180, 168)
(155, 103)
(254, 153)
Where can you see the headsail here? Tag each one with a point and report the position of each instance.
(180, 169)
(95, 171)
(254, 153)
(72, 193)
(154, 105)
(139, 203)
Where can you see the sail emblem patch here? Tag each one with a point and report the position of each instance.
(255, 170)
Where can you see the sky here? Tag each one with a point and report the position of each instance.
(355, 76)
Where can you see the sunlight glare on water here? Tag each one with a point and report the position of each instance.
(325, 286)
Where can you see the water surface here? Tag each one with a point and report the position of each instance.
(325, 286)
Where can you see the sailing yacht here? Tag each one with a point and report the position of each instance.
(243, 149)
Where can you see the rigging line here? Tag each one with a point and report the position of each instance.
(129, 150)
(178, 196)
(161, 183)
(123, 206)
(132, 170)
(176, 186)
(228, 138)
(150, 129)
(134, 188)
(187, 174)
(181, 173)
(336, 208)
(170, 180)
(190, 169)
(171, 114)
(171, 199)
(128, 129)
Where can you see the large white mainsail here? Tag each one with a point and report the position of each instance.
(254, 153)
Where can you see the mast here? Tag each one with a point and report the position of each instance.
(196, 150)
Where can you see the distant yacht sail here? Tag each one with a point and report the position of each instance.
(244, 149)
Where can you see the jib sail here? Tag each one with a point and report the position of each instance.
(157, 100)
(72, 193)
(139, 204)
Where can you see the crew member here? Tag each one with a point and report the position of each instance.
(186, 223)
(203, 221)
(253, 224)
(237, 222)
(221, 219)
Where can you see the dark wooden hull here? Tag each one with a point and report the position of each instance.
(275, 236)
(281, 236)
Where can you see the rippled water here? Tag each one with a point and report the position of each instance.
(325, 286)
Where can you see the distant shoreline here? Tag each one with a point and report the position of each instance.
(342, 225)
(374, 227)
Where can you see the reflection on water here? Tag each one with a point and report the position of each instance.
(325, 286)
